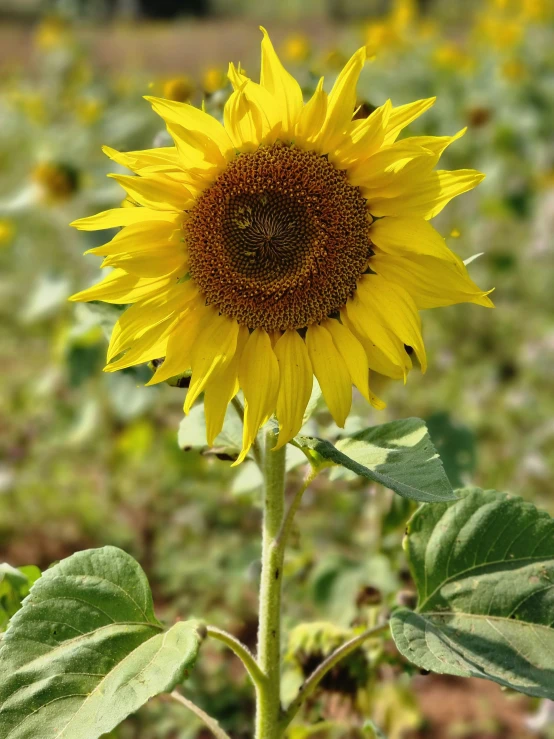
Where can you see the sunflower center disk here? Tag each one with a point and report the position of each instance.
(279, 240)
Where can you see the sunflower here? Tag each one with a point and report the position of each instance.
(289, 241)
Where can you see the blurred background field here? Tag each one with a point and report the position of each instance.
(88, 458)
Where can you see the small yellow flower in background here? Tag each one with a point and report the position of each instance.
(500, 32)
(179, 89)
(427, 29)
(32, 105)
(395, 709)
(213, 79)
(379, 36)
(334, 59)
(296, 48)
(52, 33)
(514, 70)
(57, 181)
(394, 30)
(403, 14)
(455, 233)
(88, 110)
(452, 57)
(536, 10)
(289, 241)
(7, 232)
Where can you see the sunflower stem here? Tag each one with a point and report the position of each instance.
(269, 630)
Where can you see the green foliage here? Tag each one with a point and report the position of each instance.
(373, 731)
(86, 650)
(399, 455)
(14, 586)
(456, 445)
(484, 571)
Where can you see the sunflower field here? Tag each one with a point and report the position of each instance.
(266, 331)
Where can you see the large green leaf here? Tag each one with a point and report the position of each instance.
(85, 650)
(456, 445)
(484, 571)
(399, 455)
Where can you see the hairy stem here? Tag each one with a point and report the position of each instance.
(269, 629)
(241, 651)
(311, 683)
(208, 721)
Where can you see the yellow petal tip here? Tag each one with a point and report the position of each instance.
(241, 457)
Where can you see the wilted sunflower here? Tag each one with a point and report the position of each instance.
(287, 242)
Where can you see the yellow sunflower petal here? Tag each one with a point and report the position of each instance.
(381, 170)
(145, 315)
(195, 150)
(295, 384)
(243, 122)
(153, 261)
(341, 103)
(312, 116)
(406, 235)
(215, 346)
(331, 372)
(403, 115)
(178, 355)
(251, 116)
(393, 306)
(165, 159)
(194, 120)
(281, 85)
(436, 144)
(135, 237)
(155, 191)
(388, 175)
(429, 197)
(385, 352)
(430, 281)
(123, 217)
(121, 288)
(364, 139)
(219, 391)
(151, 345)
(353, 353)
(376, 358)
(259, 380)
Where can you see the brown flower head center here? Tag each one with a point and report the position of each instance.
(279, 240)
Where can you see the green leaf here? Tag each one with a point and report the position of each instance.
(456, 445)
(372, 730)
(85, 650)
(399, 455)
(484, 571)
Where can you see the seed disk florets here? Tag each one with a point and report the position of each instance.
(279, 240)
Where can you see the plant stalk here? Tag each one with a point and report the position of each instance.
(208, 721)
(241, 651)
(269, 630)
